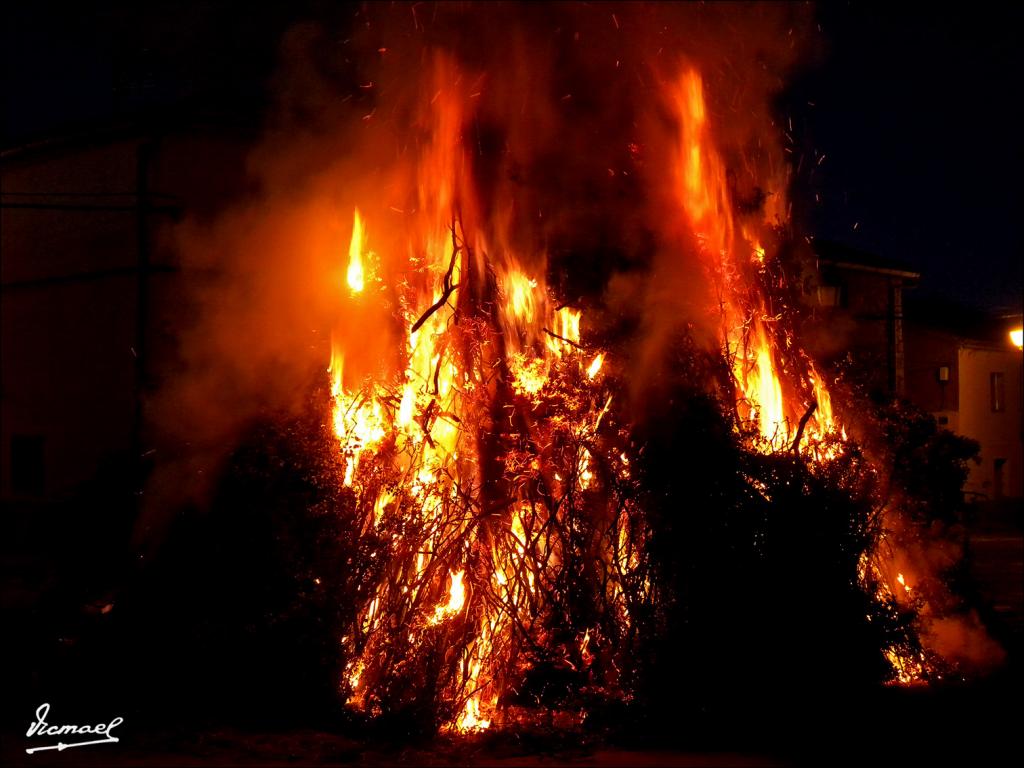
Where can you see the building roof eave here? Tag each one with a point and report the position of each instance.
(905, 274)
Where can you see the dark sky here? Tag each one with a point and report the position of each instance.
(915, 110)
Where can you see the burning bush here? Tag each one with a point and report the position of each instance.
(578, 456)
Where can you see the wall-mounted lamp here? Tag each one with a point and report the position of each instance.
(943, 374)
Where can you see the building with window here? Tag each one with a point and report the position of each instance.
(965, 368)
(961, 365)
(862, 295)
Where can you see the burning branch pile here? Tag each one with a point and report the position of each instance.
(497, 496)
(508, 522)
(492, 474)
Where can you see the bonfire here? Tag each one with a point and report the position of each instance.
(487, 439)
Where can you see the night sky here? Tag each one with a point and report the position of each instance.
(915, 111)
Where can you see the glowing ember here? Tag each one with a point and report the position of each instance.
(908, 669)
(456, 599)
(903, 583)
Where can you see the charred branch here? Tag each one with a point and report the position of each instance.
(795, 448)
(570, 342)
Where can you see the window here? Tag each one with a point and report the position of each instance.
(998, 392)
(27, 465)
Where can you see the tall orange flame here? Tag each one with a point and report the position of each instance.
(734, 256)
(355, 255)
(787, 408)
